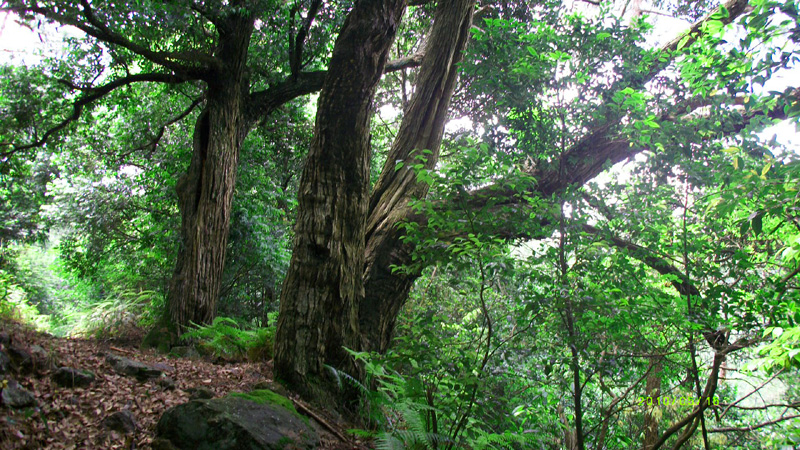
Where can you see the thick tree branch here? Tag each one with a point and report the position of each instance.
(404, 63)
(735, 9)
(189, 64)
(599, 147)
(91, 95)
(422, 128)
(262, 103)
(677, 277)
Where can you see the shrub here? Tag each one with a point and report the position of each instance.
(118, 314)
(14, 305)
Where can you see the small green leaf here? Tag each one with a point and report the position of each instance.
(756, 221)
(744, 227)
(683, 41)
(765, 169)
(757, 225)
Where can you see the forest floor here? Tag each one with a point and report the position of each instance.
(73, 418)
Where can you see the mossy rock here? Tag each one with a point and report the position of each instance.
(259, 419)
(268, 397)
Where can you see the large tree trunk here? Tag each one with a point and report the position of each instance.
(205, 192)
(421, 129)
(324, 284)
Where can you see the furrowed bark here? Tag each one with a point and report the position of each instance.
(205, 192)
(191, 297)
(652, 391)
(324, 283)
(421, 129)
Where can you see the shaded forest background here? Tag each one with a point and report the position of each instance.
(576, 213)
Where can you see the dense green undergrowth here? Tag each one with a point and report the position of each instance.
(228, 338)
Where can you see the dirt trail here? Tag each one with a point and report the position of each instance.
(72, 418)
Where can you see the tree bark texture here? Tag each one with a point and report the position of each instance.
(205, 192)
(421, 129)
(201, 255)
(324, 284)
(652, 391)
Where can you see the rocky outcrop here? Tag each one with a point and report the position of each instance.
(15, 396)
(70, 377)
(131, 368)
(121, 421)
(256, 420)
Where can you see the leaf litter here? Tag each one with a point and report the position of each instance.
(73, 418)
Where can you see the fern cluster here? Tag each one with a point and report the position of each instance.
(226, 338)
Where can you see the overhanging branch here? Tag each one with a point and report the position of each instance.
(91, 95)
(154, 142)
(189, 64)
(677, 277)
(296, 52)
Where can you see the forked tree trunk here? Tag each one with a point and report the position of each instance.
(205, 192)
(388, 289)
(324, 284)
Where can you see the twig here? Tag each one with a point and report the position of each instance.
(120, 350)
(306, 410)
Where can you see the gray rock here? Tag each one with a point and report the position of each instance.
(16, 396)
(185, 352)
(162, 367)
(5, 362)
(263, 385)
(166, 383)
(21, 359)
(254, 421)
(131, 368)
(200, 393)
(69, 377)
(121, 421)
(272, 386)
